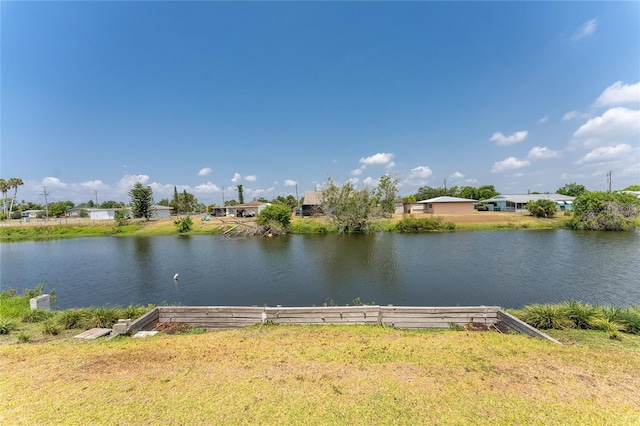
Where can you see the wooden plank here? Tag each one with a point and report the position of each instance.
(145, 321)
(165, 315)
(439, 310)
(211, 309)
(319, 320)
(441, 315)
(523, 327)
(92, 334)
(324, 309)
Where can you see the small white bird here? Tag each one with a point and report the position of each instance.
(175, 277)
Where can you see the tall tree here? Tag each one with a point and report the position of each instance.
(4, 188)
(14, 182)
(385, 194)
(240, 194)
(572, 189)
(142, 204)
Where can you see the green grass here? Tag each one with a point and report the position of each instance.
(324, 375)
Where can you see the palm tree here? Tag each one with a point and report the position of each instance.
(14, 183)
(4, 188)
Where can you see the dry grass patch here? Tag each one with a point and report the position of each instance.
(319, 375)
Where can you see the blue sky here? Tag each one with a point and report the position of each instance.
(208, 95)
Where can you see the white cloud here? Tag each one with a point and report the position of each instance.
(457, 175)
(615, 124)
(207, 188)
(571, 115)
(370, 182)
(501, 139)
(471, 180)
(236, 178)
(419, 175)
(543, 119)
(379, 159)
(93, 185)
(53, 182)
(290, 182)
(585, 30)
(607, 153)
(390, 165)
(251, 178)
(354, 180)
(540, 152)
(618, 93)
(127, 181)
(356, 172)
(204, 172)
(508, 164)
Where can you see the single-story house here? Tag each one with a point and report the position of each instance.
(441, 205)
(31, 214)
(312, 205)
(162, 212)
(250, 209)
(518, 202)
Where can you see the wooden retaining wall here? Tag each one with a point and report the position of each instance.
(405, 317)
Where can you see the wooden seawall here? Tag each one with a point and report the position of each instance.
(405, 317)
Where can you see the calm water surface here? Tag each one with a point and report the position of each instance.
(505, 268)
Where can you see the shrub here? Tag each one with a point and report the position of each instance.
(482, 208)
(7, 326)
(279, 214)
(542, 208)
(412, 224)
(183, 224)
(24, 337)
(630, 319)
(583, 316)
(71, 318)
(99, 317)
(51, 326)
(35, 315)
(545, 316)
(605, 211)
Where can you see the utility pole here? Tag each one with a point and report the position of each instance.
(444, 184)
(95, 191)
(297, 197)
(222, 195)
(609, 180)
(46, 203)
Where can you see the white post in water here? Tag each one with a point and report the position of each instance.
(42, 302)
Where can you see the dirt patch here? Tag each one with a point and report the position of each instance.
(171, 327)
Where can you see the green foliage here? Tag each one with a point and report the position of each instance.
(544, 316)
(412, 224)
(352, 210)
(51, 326)
(121, 216)
(572, 189)
(309, 227)
(58, 208)
(482, 208)
(100, 317)
(71, 318)
(632, 188)
(542, 208)
(24, 337)
(183, 224)
(35, 315)
(583, 315)
(7, 326)
(142, 204)
(241, 194)
(605, 211)
(83, 213)
(276, 213)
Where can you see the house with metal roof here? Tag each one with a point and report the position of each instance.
(518, 202)
(442, 205)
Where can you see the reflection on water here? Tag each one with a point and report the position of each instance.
(509, 268)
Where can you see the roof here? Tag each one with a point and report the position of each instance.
(250, 204)
(447, 200)
(313, 198)
(525, 198)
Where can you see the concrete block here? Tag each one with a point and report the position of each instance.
(41, 302)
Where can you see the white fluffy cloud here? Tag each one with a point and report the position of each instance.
(508, 164)
(93, 185)
(204, 172)
(541, 152)
(251, 178)
(419, 175)
(500, 139)
(290, 182)
(357, 172)
(608, 153)
(543, 119)
(53, 182)
(207, 188)
(615, 124)
(236, 178)
(619, 93)
(457, 175)
(572, 115)
(370, 182)
(379, 159)
(585, 30)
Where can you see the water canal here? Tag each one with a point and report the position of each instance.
(505, 268)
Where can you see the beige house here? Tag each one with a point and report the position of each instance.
(441, 205)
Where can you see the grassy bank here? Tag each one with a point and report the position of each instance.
(321, 375)
(15, 231)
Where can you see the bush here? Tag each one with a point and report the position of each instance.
(583, 316)
(412, 224)
(542, 208)
(51, 326)
(545, 316)
(605, 211)
(71, 318)
(35, 315)
(482, 208)
(7, 326)
(274, 215)
(184, 224)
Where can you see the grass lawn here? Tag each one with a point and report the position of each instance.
(324, 375)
